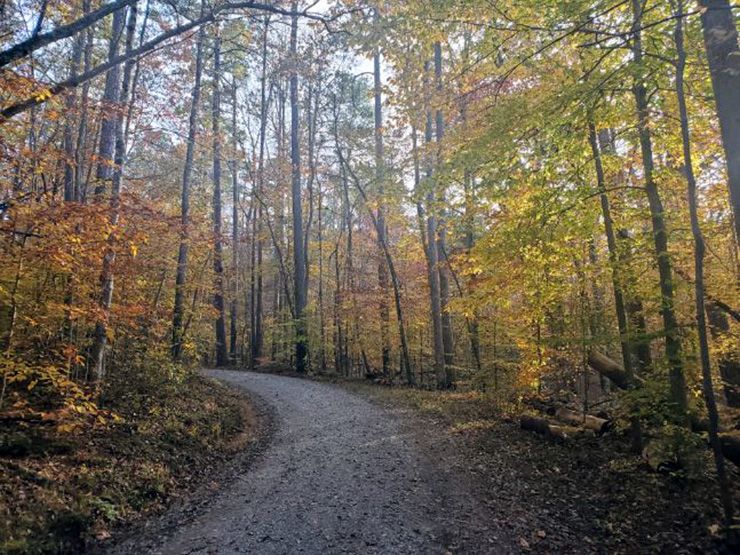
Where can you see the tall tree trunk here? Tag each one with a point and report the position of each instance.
(222, 357)
(322, 323)
(313, 103)
(617, 285)
(422, 225)
(256, 304)
(468, 219)
(381, 229)
(355, 340)
(660, 234)
(440, 371)
(279, 299)
(469, 242)
(234, 306)
(699, 249)
(299, 262)
(110, 99)
(444, 281)
(182, 256)
(107, 277)
(720, 40)
(137, 68)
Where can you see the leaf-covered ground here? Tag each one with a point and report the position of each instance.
(61, 494)
(584, 496)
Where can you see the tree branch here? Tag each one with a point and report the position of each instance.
(72, 82)
(37, 40)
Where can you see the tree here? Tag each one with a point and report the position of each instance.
(720, 39)
(107, 276)
(222, 357)
(299, 260)
(660, 233)
(182, 256)
(699, 250)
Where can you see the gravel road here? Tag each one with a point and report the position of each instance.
(339, 475)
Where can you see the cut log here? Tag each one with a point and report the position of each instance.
(534, 424)
(546, 428)
(612, 370)
(598, 425)
(730, 442)
(563, 432)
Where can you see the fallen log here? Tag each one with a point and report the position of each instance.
(594, 423)
(563, 432)
(534, 424)
(611, 369)
(730, 442)
(546, 428)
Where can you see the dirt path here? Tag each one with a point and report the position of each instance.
(340, 475)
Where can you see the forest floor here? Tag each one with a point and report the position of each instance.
(353, 468)
(66, 493)
(588, 495)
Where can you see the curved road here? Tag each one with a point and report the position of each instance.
(340, 475)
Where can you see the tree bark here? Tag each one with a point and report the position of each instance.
(440, 370)
(381, 228)
(80, 185)
(222, 357)
(588, 421)
(619, 304)
(729, 367)
(723, 54)
(234, 305)
(109, 101)
(444, 281)
(256, 304)
(299, 262)
(70, 105)
(182, 256)
(660, 233)
(100, 338)
(612, 370)
(699, 249)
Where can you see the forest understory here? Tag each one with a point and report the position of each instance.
(71, 494)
